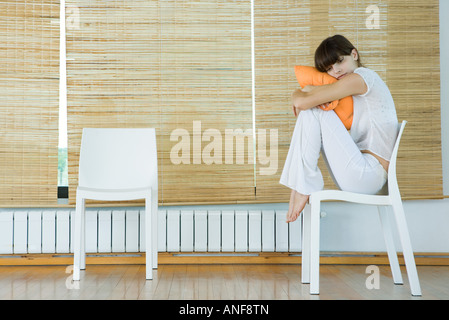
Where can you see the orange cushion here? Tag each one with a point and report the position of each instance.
(311, 76)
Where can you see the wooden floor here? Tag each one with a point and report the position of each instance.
(204, 282)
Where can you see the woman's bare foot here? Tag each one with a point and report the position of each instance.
(290, 204)
(297, 203)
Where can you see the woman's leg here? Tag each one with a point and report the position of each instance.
(352, 170)
(297, 203)
(301, 172)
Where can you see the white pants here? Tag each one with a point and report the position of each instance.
(315, 131)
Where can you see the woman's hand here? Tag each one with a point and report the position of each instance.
(324, 106)
(295, 111)
(297, 97)
(298, 100)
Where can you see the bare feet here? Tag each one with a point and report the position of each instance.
(297, 203)
(290, 204)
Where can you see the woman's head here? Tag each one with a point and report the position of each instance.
(337, 56)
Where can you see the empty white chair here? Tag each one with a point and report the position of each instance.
(117, 165)
(311, 225)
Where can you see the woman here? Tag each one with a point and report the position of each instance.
(358, 160)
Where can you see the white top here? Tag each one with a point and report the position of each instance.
(375, 124)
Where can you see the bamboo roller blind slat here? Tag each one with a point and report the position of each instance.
(167, 64)
(29, 84)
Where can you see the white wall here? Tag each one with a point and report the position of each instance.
(350, 227)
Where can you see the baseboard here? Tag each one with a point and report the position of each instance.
(174, 258)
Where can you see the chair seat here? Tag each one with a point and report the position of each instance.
(113, 194)
(347, 196)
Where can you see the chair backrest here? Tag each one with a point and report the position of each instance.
(118, 158)
(392, 180)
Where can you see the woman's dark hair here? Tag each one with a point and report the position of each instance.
(330, 51)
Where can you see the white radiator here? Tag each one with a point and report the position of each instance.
(121, 230)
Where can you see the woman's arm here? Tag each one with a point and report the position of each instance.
(351, 84)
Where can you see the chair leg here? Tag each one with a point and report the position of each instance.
(389, 242)
(77, 250)
(314, 246)
(83, 237)
(148, 240)
(305, 254)
(154, 213)
(406, 247)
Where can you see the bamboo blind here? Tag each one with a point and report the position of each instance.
(403, 49)
(113, 78)
(175, 65)
(413, 75)
(29, 82)
(282, 39)
(206, 79)
(186, 65)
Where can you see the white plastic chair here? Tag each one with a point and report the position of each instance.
(117, 165)
(311, 228)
